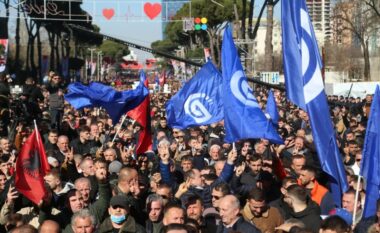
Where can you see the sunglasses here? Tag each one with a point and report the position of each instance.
(216, 197)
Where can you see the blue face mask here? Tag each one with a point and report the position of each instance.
(117, 219)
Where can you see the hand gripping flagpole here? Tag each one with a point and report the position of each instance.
(118, 130)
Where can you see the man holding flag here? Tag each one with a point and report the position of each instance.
(31, 167)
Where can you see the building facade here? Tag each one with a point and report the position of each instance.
(320, 14)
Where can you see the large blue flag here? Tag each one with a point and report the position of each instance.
(304, 87)
(115, 102)
(272, 108)
(199, 102)
(370, 168)
(243, 117)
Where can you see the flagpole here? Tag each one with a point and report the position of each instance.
(356, 200)
(35, 128)
(118, 130)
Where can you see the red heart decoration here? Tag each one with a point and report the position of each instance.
(108, 13)
(152, 10)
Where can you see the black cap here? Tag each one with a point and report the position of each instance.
(119, 200)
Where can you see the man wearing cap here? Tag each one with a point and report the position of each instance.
(119, 219)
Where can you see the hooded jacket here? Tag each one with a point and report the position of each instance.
(310, 216)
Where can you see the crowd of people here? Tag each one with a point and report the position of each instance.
(191, 181)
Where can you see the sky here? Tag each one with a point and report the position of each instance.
(127, 19)
(130, 23)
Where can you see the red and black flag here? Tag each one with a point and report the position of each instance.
(31, 167)
(141, 114)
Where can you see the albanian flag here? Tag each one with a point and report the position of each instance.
(141, 114)
(31, 167)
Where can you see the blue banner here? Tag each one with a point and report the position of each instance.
(199, 102)
(115, 102)
(370, 168)
(243, 117)
(304, 86)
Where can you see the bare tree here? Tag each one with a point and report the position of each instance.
(374, 5)
(268, 37)
(360, 19)
(344, 58)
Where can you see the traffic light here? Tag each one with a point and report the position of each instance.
(200, 23)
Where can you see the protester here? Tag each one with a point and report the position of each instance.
(229, 209)
(192, 181)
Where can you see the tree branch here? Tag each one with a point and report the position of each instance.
(371, 3)
(253, 34)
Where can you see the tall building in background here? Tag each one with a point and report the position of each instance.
(169, 9)
(320, 14)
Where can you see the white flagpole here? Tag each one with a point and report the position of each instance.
(356, 200)
(37, 133)
(118, 130)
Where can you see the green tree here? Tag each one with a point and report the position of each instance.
(166, 45)
(114, 50)
(216, 16)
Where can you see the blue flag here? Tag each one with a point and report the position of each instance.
(157, 80)
(99, 95)
(304, 86)
(272, 108)
(243, 117)
(199, 102)
(370, 168)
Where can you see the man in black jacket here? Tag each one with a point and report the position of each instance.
(83, 145)
(303, 207)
